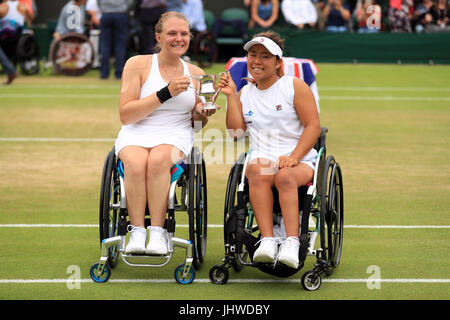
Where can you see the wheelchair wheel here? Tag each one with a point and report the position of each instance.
(219, 274)
(311, 280)
(230, 202)
(28, 54)
(110, 205)
(72, 55)
(332, 210)
(178, 275)
(205, 49)
(197, 208)
(98, 277)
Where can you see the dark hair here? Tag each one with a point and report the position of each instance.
(275, 37)
(272, 35)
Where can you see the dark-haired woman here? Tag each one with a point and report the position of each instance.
(281, 117)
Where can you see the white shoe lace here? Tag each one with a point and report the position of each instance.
(278, 240)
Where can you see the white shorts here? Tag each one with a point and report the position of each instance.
(310, 158)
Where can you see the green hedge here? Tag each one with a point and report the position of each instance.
(354, 47)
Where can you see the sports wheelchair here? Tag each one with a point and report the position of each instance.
(321, 206)
(114, 221)
(72, 55)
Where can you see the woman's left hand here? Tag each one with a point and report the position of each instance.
(286, 162)
(198, 109)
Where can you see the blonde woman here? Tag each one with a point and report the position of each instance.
(157, 108)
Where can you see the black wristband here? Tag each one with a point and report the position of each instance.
(163, 94)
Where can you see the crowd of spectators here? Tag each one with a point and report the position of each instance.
(363, 16)
(112, 19)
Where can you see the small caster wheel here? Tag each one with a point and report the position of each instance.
(178, 274)
(311, 280)
(219, 274)
(98, 277)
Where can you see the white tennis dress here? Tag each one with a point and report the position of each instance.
(170, 123)
(272, 122)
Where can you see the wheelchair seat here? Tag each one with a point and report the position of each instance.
(321, 217)
(190, 177)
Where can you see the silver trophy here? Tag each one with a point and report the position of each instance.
(207, 89)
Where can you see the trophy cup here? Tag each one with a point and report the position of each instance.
(207, 89)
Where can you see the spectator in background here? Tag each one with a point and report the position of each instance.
(321, 20)
(422, 15)
(399, 16)
(193, 11)
(248, 6)
(175, 5)
(13, 15)
(368, 15)
(9, 68)
(94, 11)
(299, 13)
(149, 12)
(32, 10)
(338, 16)
(71, 19)
(263, 13)
(247, 3)
(440, 13)
(113, 35)
(94, 33)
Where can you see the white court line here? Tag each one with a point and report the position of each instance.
(71, 281)
(65, 86)
(41, 225)
(26, 139)
(109, 96)
(357, 98)
(403, 89)
(330, 88)
(58, 96)
(55, 139)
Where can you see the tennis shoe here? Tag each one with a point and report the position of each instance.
(288, 253)
(136, 243)
(157, 243)
(267, 250)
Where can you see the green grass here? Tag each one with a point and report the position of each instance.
(388, 128)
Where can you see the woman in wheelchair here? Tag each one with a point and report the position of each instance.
(281, 116)
(158, 107)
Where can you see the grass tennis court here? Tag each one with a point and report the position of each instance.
(388, 128)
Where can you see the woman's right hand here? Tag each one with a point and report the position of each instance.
(178, 85)
(227, 85)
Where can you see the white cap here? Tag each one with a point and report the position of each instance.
(266, 42)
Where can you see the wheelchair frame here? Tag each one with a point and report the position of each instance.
(322, 216)
(113, 221)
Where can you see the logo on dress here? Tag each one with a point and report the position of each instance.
(278, 107)
(249, 114)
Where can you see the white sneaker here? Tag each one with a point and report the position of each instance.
(157, 243)
(136, 243)
(288, 253)
(267, 250)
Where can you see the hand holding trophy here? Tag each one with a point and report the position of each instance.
(207, 89)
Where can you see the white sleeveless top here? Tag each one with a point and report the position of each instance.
(14, 14)
(271, 120)
(170, 123)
